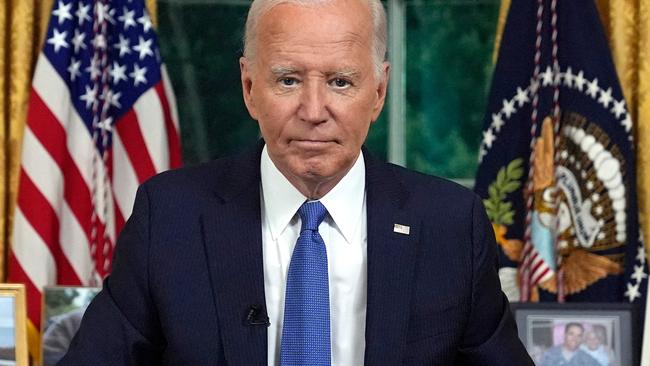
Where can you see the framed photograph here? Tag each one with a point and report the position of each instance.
(586, 334)
(63, 308)
(13, 325)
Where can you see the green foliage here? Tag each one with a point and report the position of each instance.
(200, 43)
(449, 67)
(508, 180)
(60, 301)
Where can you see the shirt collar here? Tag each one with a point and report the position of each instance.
(344, 202)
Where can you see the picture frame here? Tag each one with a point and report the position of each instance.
(63, 308)
(607, 332)
(13, 325)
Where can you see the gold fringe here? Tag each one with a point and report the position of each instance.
(501, 23)
(627, 23)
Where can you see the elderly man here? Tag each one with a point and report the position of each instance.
(596, 347)
(304, 251)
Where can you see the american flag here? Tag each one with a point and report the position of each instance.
(101, 120)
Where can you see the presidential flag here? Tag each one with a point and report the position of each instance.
(101, 119)
(557, 162)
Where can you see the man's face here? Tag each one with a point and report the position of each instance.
(572, 338)
(312, 87)
(592, 341)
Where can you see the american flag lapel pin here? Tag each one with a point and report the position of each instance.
(402, 229)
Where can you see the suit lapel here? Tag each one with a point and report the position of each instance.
(233, 245)
(391, 264)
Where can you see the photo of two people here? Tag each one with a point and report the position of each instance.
(574, 342)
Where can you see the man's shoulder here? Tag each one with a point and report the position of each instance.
(416, 179)
(551, 355)
(430, 189)
(196, 176)
(585, 358)
(209, 176)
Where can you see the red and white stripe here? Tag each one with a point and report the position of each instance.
(52, 225)
(538, 270)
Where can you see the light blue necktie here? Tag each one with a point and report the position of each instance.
(306, 329)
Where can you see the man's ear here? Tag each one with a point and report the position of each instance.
(382, 87)
(245, 67)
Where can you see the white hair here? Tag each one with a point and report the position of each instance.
(378, 14)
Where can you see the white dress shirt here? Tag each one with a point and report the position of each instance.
(344, 232)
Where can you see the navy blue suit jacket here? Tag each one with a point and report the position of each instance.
(188, 267)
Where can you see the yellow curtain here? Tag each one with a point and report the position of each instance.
(627, 23)
(23, 24)
(23, 27)
(501, 23)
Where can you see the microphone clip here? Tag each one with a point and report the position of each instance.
(256, 316)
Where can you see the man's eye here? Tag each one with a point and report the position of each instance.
(288, 81)
(340, 83)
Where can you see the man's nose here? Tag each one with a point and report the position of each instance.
(313, 103)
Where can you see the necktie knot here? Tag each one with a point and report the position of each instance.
(312, 214)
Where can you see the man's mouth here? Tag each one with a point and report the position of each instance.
(311, 143)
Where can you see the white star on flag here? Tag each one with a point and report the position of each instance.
(58, 40)
(640, 255)
(73, 69)
(605, 97)
(123, 45)
(104, 13)
(112, 97)
(497, 122)
(115, 99)
(619, 108)
(89, 96)
(580, 81)
(568, 77)
(145, 21)
(547, 77)
(508, 107)
(78, 40)
(632, 291)
(488, 138)
(82, 14)
(62, 12)
(522, 97)
(118, 72)
(593, 89)
(127, 18)
(627, 123)
(106, 124)
(639, 273)
(138, 75)
(143, 47)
